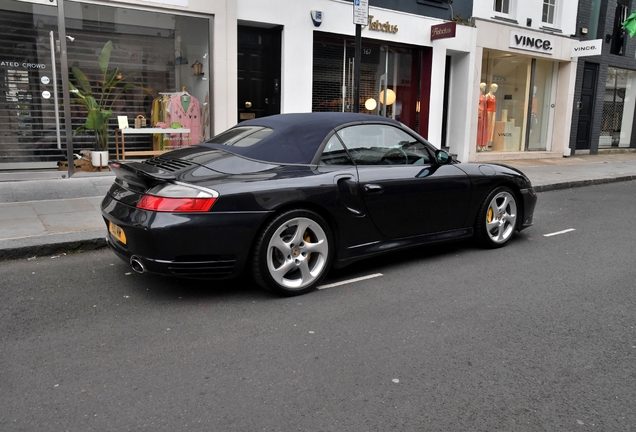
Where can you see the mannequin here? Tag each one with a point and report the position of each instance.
(482, 128)
(491, 108)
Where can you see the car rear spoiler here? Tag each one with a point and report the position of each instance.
(140, 174)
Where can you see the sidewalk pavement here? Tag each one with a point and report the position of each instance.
(43, 213)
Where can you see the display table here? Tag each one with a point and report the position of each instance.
(144, 131)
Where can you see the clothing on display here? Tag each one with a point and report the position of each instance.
(172, 108)
(491, 108)
(482, 130)
(184, 109)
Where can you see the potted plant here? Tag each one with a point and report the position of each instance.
(100, 105)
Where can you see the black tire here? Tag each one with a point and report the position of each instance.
(497, 218)
(289, 262)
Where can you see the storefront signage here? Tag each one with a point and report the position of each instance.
(531, 42)
(386, 27)
(587, 48)
(24, 65)
(443, 31)
(360, 12)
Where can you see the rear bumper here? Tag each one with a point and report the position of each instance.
(194, 245)
(529, 197)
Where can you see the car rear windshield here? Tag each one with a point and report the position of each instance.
(241, 136)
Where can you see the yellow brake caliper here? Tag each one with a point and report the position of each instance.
(490, 215)
(307, 239)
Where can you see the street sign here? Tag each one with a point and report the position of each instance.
(361, 12)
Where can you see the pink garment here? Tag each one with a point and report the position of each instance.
(482, 128)
(189, 119)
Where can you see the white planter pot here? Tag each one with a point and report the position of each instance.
(95, 158)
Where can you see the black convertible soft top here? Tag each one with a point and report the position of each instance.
(295, 137)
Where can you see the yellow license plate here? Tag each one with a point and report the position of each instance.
(117, 232)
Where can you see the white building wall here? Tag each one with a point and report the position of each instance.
(297, 47)
(522, 10)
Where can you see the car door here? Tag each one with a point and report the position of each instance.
(405, 191)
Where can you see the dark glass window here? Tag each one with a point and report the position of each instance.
(617, 46)
(334, 153)
(502, 6)
(383, 145)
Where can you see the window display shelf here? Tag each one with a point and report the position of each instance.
(144, 131)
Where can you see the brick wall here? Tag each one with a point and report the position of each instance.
(605, 60)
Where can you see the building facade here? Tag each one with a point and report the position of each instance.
(605, 91)
(524, 92)
(501, 81)
(426, 80)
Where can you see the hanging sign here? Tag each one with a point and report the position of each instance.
(361, 12)
(587, 48)
(443, 31)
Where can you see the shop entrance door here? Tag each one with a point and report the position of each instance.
(259, 65)
(586, 106)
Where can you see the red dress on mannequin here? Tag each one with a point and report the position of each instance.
(482, 123)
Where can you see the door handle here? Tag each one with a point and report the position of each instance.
(373, 188)
(579, 105)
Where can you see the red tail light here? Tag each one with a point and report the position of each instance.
(161, 204)
(178, 198)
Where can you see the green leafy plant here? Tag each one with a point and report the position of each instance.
(100, 105)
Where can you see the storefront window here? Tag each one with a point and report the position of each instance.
(506, 99)
(27, 106)
(389, 79)
(618, 108)
(163, 55)
(540, 110)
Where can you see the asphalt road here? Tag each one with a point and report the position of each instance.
(536, 336)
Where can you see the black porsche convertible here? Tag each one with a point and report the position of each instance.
(288, 196)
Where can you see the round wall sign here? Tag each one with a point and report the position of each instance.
(46, 94)
(45, 80)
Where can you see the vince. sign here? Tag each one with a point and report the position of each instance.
(529, 42)
(587, 48)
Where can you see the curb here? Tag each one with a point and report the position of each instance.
(42, 246)
(581, 183)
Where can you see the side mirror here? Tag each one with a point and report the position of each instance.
(442, 157)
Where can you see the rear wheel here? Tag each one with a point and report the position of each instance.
(293, 253)
(497, 218)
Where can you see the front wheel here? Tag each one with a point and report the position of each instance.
(293, 253)
(497, 218)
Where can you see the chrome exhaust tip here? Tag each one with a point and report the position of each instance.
(136, 264)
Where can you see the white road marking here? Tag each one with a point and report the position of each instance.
(336, 284)
(559, 232)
